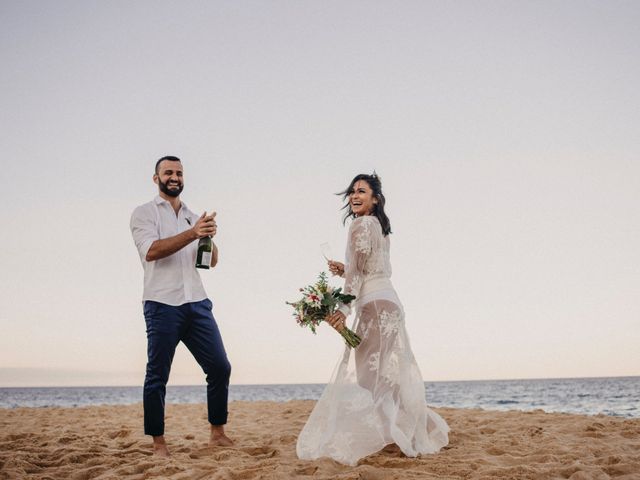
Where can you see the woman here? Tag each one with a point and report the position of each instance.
(376, 396)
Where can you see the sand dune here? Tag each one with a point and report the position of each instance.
(107, 442)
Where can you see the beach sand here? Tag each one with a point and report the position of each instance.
(107, 442)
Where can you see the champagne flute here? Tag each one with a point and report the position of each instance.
(325, 248)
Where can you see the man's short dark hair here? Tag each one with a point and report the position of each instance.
(171, 158)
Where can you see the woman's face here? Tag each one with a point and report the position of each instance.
(361, 199)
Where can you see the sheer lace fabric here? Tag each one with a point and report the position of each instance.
(376, 394)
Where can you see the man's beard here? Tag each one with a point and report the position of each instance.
(166, 190)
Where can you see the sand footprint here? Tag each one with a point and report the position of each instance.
(123, 432)
(495, 451)
(261, 452)
(215, 453)
(306, 470)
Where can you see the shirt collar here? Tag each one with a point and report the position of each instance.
(158, 199)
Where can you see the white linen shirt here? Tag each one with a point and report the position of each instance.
(172, 280)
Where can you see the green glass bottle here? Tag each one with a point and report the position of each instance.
(205, 246)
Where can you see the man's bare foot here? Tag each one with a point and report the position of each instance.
(217, 438)
(160, 447)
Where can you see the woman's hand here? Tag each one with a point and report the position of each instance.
(336, 268)
(336, 320)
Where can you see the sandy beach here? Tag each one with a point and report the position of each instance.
(107, 442)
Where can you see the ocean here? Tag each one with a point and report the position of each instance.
(617, 396)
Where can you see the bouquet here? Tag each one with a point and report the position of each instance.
(318, 302)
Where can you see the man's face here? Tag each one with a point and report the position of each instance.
(169, 178)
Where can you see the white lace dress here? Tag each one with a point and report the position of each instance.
(376, 395)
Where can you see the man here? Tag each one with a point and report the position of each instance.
(176, 307)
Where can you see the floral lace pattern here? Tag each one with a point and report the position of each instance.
(389, 323)
(362, 236)
(374, 362)
(376, 395)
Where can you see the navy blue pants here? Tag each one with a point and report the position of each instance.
(194, 325)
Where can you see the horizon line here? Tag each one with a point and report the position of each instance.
(323, 383)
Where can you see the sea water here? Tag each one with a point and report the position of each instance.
(617, 396)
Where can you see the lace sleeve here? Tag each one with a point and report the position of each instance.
(358, 250)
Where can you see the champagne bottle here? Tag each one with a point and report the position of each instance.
(205, 246)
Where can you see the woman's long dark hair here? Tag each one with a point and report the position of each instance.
(378, 208)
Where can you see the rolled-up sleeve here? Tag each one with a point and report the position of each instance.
(144, 229)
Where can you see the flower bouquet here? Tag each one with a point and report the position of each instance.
(319, 301)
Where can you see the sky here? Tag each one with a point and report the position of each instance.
(506, 134)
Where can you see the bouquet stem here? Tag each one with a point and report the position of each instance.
(350, 338)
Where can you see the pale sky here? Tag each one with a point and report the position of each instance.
(507, 136)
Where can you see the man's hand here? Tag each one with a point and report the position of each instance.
(205, 226)
(336, 320)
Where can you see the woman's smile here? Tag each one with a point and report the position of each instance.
(361, 199)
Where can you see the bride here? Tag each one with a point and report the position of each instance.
(376, 396)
